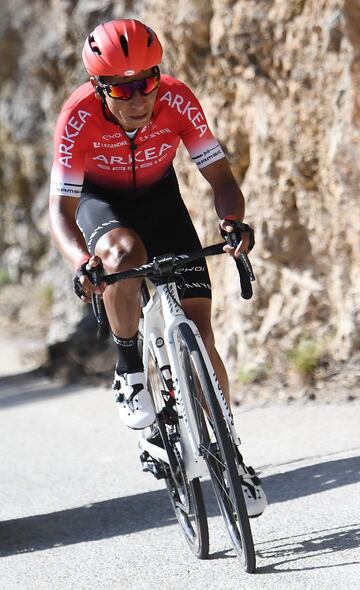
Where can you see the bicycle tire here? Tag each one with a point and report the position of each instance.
(185, 496)
(218, 449)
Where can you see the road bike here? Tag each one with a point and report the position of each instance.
(194, 434)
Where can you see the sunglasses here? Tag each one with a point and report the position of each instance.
(127, 90)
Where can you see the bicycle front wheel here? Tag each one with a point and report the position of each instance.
(217, 448)
(185, 496)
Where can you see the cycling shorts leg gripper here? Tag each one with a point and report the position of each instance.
(95, 218)
(194, 281)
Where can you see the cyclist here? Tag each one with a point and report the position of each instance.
(115, 197)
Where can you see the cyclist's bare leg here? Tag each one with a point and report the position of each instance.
(198, 309)
(119, 250)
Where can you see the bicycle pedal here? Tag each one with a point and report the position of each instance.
(155, 470)
(150, 465)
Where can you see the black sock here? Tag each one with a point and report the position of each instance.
(129, 360)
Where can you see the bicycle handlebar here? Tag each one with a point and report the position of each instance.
(163, 267)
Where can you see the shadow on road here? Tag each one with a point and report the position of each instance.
(131, 514)
(312, 479)
(31, 386)
(101, 520)
(295, 549)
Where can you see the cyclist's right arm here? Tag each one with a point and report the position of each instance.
(67, 175)
(64, 230)
(69, 240)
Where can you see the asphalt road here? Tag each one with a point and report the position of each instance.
(77, 513)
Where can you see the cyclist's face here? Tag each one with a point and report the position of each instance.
(137, 111)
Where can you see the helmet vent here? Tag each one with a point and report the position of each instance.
(124, 45)
(93, 45)
(151, 36)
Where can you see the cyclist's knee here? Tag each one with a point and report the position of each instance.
(120, 250)
(117, 259)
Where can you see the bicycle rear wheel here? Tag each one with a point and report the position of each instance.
(217, 448)
(185, 496)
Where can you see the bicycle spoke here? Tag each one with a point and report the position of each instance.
(222, 484)
(207, 451)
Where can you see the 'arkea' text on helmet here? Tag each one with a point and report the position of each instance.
(121, 48)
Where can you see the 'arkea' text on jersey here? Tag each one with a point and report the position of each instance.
(151, 153)
(71, 130)
(193, 113)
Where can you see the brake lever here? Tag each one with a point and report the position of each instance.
(95, 273)
(243, 263)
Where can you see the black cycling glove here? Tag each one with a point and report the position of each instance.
(234, 237)
(81, 272)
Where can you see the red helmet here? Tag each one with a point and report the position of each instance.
(121, 48)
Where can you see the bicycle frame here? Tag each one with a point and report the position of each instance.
(197, 443)
(161, 317)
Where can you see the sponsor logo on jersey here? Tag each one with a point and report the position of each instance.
(98, 144)
(215, 153)
(65, 189)
(113, 136)
(155, 134)
(71, 131)
(142, 133)
(148, 155)
(188, 110)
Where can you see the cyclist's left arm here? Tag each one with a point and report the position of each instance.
(209, 157)
(229, 200)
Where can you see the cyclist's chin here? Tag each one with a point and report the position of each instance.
(138, 120)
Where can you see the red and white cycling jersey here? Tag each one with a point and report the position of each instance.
(89, 146)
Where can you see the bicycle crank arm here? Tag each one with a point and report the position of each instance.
(154, 451)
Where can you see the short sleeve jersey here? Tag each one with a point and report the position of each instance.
(89, 146)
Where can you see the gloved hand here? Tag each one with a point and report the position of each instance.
(239, 236)
(83, 287)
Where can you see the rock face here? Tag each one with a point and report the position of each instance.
(279, 82)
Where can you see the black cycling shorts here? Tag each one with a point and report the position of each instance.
(158, 216)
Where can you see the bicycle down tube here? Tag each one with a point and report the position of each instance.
(163, 346)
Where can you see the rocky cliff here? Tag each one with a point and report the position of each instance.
(279, 82)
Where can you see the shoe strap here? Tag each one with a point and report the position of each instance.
(135, 390)
(249, 486)
(134, 379)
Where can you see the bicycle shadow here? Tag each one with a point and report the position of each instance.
(297, 548)
(312, 479)
(301, 482)
(139, 512)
